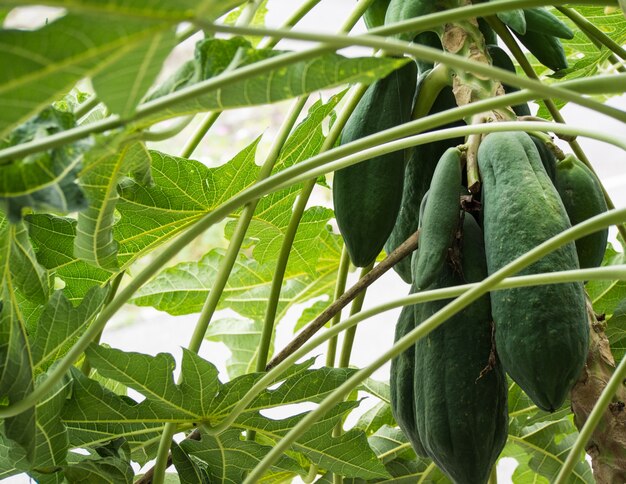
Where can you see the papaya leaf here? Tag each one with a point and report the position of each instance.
(97, 469)
(60, 324)
(173, 10)
(228, 456)
(105, 166)
(375, 418)
(616, 331)
(189, 471)
(590, 59)
(131, 71)
(211, 58)
(285, 82)
(39, 65)
(202, 397)
(53, 238)
(389, 443)
(541, 449)
(273, 213)
(348, 454)
(183, 191)
(242, 338)
(95, 415)
(18, 270)
(45, 180)
(51, 439)
(183, 288)
(19, 267)
(606, 295)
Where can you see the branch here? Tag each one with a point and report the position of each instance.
(408, 246)
(607, 446)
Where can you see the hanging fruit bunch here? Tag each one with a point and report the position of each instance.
(449, 391)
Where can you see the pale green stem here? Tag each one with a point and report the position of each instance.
(576, 453)
(313, 167)
(306, 7)
(210, 118)
(158, 476)
(593, 32)
(346, 350)
(86, 106)
(205, 125)
(431, 323)
(348, 337)
(606, 85)
(167, 133)
(230, 257)
(279, 275)
(298, 211)
(340, 288)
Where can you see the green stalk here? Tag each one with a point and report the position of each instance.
(314, 167)
(247, 72)
(593, 32)
(300, 207)
(167, 133)
(306, 7)
(192, 143)
(348, 337)
(346, 350)
(211, 117)
(158, 477)
(493, 477)
(83, 108)
(340, 288)
(429, 325)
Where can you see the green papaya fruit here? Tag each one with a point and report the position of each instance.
(541, 21)
(374, 16)
(546, 48)
(514, 19)
(428, 39)
(583, 198)
(400, 10)
(367, 195)
(541, 332)
(420, 166)
(547, 157)
(440, 219)
(401, 381)
(502, 60)
(460, 388)
(488, 34)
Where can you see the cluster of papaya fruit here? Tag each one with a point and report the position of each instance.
(449, 391)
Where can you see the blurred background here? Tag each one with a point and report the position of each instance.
(147, 330)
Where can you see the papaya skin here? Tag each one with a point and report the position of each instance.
(440, 220)
(420, 166)
(460, 387)
(583, 198)
(401, 382)
(541, 332)
(367, 195)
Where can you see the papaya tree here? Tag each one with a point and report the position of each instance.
(448, 165)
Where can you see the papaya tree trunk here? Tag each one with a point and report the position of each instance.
(607, 446)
